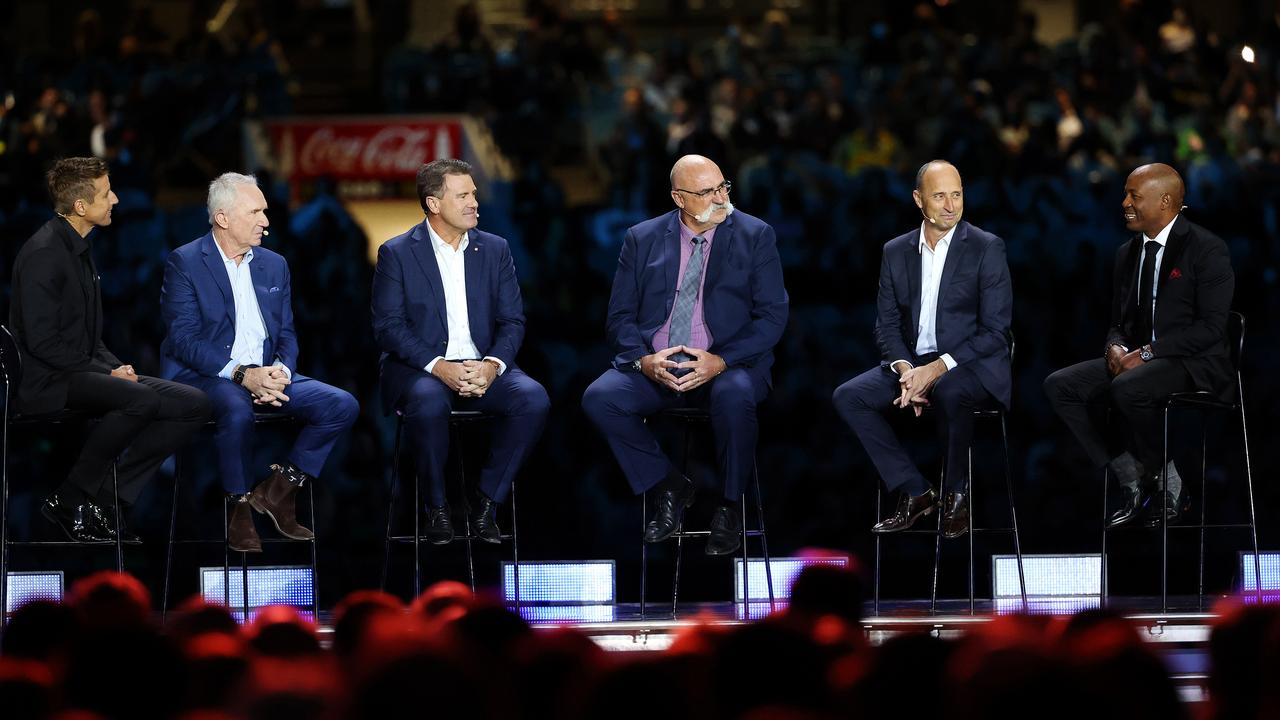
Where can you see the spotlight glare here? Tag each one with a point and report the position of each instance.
(1246, 54)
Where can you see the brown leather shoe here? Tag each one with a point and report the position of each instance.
(910, 507)
(955, 515)
(275, 498)
(242, 536)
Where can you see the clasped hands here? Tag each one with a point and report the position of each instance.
(1119, 361)
(703, 367)
(915, 384)
(469, 378)
(125, 372)
(266, 385)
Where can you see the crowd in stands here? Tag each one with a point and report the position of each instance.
(102, 654)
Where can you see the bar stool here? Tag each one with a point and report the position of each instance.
(259, 419)
(458, 419)
(1205, 402)
(689, 416)
(11, 369)
(991, 412)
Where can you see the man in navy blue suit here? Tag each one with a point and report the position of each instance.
(226, 306)
(943, 318)
(448, 316)
(683, 337)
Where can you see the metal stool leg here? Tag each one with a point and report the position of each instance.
(764, 539)
(875, 571)
(644, 552)
(1102, 580)
(173, 529)
(466, 505)
(675, 580)
(1204, 499)
(4, 512)
(315, 566)
(1164, 522)
(1013, 515)
(746, 564)
(115, 497)
(417, 534)
(1248, 474)
(973, 506)
(515, 547)
(226, 554)
(244, 585)
(937, 553)
(395, 496)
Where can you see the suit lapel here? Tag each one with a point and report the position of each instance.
(426, 257)
(1173, 251)
(218, 270)
(911, 256)
(261, 279)
(955, 256)
(720, 248)
(471, 272)
(671, 261)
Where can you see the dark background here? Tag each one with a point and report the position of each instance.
(819, 112)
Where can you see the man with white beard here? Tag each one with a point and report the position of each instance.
(697, 306)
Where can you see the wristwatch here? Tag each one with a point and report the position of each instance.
(237, 377)
(635, 365)
(1145, 353)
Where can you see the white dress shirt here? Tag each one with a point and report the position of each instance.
(251, 330)
(453, 277)
(1161, 237)
(932, 262)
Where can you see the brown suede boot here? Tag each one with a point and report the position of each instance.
(241, 535)
(275, 497)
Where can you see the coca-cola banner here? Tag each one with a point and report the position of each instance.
(362, 148)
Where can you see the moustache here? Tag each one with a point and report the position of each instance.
(705, 215)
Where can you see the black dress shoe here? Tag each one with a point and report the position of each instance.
(955, 515)
(484, 523)
(1173, 508)
(105, 521)
(1134, 500)
(439, 525)
(726, 531)
(670, 513)
(910, 507)
(73, 520)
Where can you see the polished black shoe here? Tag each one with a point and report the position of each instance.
(910, 507)
(1174, 507)
(104, 519)
(1134, 500)
(73, 519)
(439, 529)
(484, 521)
(726, 531)
(670, 513)
(955, 515)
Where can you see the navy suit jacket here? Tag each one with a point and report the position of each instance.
(200, 312)
(1193, 299)
(975, 305)
(744, 302)
(409, 321)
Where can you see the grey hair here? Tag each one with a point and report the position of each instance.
(223, 191)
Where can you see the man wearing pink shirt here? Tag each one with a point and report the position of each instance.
(697, 306)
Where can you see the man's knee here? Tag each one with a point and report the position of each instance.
(852, 395)
(733, 392)
(427, 397)
(530, 398)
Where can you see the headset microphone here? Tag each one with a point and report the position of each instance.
(265, 232)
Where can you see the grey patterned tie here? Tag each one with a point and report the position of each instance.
(682, 313)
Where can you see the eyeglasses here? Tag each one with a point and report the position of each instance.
(724, 187)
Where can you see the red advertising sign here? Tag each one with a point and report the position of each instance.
(362, 148)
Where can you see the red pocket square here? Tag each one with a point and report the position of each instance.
(1174, 274)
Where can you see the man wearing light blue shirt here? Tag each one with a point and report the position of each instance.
(944, 310)
(227, 308)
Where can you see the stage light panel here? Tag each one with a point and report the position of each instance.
(784, 570)
(24, 587)
(578, 582)
(567, 614)
(1270, 567)
(268, 585)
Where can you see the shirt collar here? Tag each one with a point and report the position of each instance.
(687, 235)
(78, 243)
(944, 240)
(440, 245)
(248, 256)
(1161, 237)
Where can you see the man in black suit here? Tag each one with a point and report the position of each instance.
(56, 319)
(1172, 292)
(942, 324)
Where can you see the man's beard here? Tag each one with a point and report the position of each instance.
(705, 215)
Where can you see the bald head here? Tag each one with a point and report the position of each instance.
(1153, 197)
(699, 190)
(940, 196)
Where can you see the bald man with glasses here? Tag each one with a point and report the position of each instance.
(698, 304)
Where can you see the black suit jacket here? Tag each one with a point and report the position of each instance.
(56, 316)
(1193, 298)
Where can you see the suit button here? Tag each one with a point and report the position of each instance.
(228, 347)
